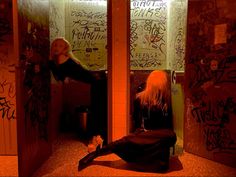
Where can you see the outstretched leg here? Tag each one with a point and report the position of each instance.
(105, 150)
(85, 161)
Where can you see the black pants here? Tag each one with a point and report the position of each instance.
(146, 149)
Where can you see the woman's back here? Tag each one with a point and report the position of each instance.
(152, 105)
(151, 118)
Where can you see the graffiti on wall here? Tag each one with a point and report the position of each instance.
(56, 19)
(215, 116)
(210, 79)
(7, 99)
(7, 109)
(87, 30)
(212, 72)
(179, 50)
(7, 63)
(177, 33)
(148, 33)
(34, 56)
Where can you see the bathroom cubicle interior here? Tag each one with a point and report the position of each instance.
(151, 47)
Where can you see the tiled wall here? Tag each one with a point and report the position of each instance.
(86, 29)
(176, 38)
(56, 19)
(148, 34)
(119, 70)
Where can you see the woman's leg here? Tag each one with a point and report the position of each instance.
(85, 161)
(105, 150)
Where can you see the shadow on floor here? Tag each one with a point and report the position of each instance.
(174, 165)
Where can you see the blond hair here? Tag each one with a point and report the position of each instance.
(67, 51)
(156, 90)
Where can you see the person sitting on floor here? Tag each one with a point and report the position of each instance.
(149, 145)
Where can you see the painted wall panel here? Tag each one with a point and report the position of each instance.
(118, 71)
(33, 86)
(210, 112)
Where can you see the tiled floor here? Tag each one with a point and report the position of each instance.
(68, 151)
(8, 166)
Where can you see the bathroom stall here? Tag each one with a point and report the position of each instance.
(84, 25)
(41, 100)
(46, 106)
(192, 40)
(157, 42)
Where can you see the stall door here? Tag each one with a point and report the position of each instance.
(33, 86)
(210, 82)
(8, 144)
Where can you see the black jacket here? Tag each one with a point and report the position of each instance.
(154, 118)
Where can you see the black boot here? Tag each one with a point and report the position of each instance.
(105, 150)
(84, 162)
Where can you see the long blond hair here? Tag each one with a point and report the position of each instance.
(67, 51)
(156, 91)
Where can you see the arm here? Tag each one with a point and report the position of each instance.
(78, 72)
(77, 61)
(55, 71)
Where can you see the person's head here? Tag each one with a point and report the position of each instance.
(156, 90)
(60, 46)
